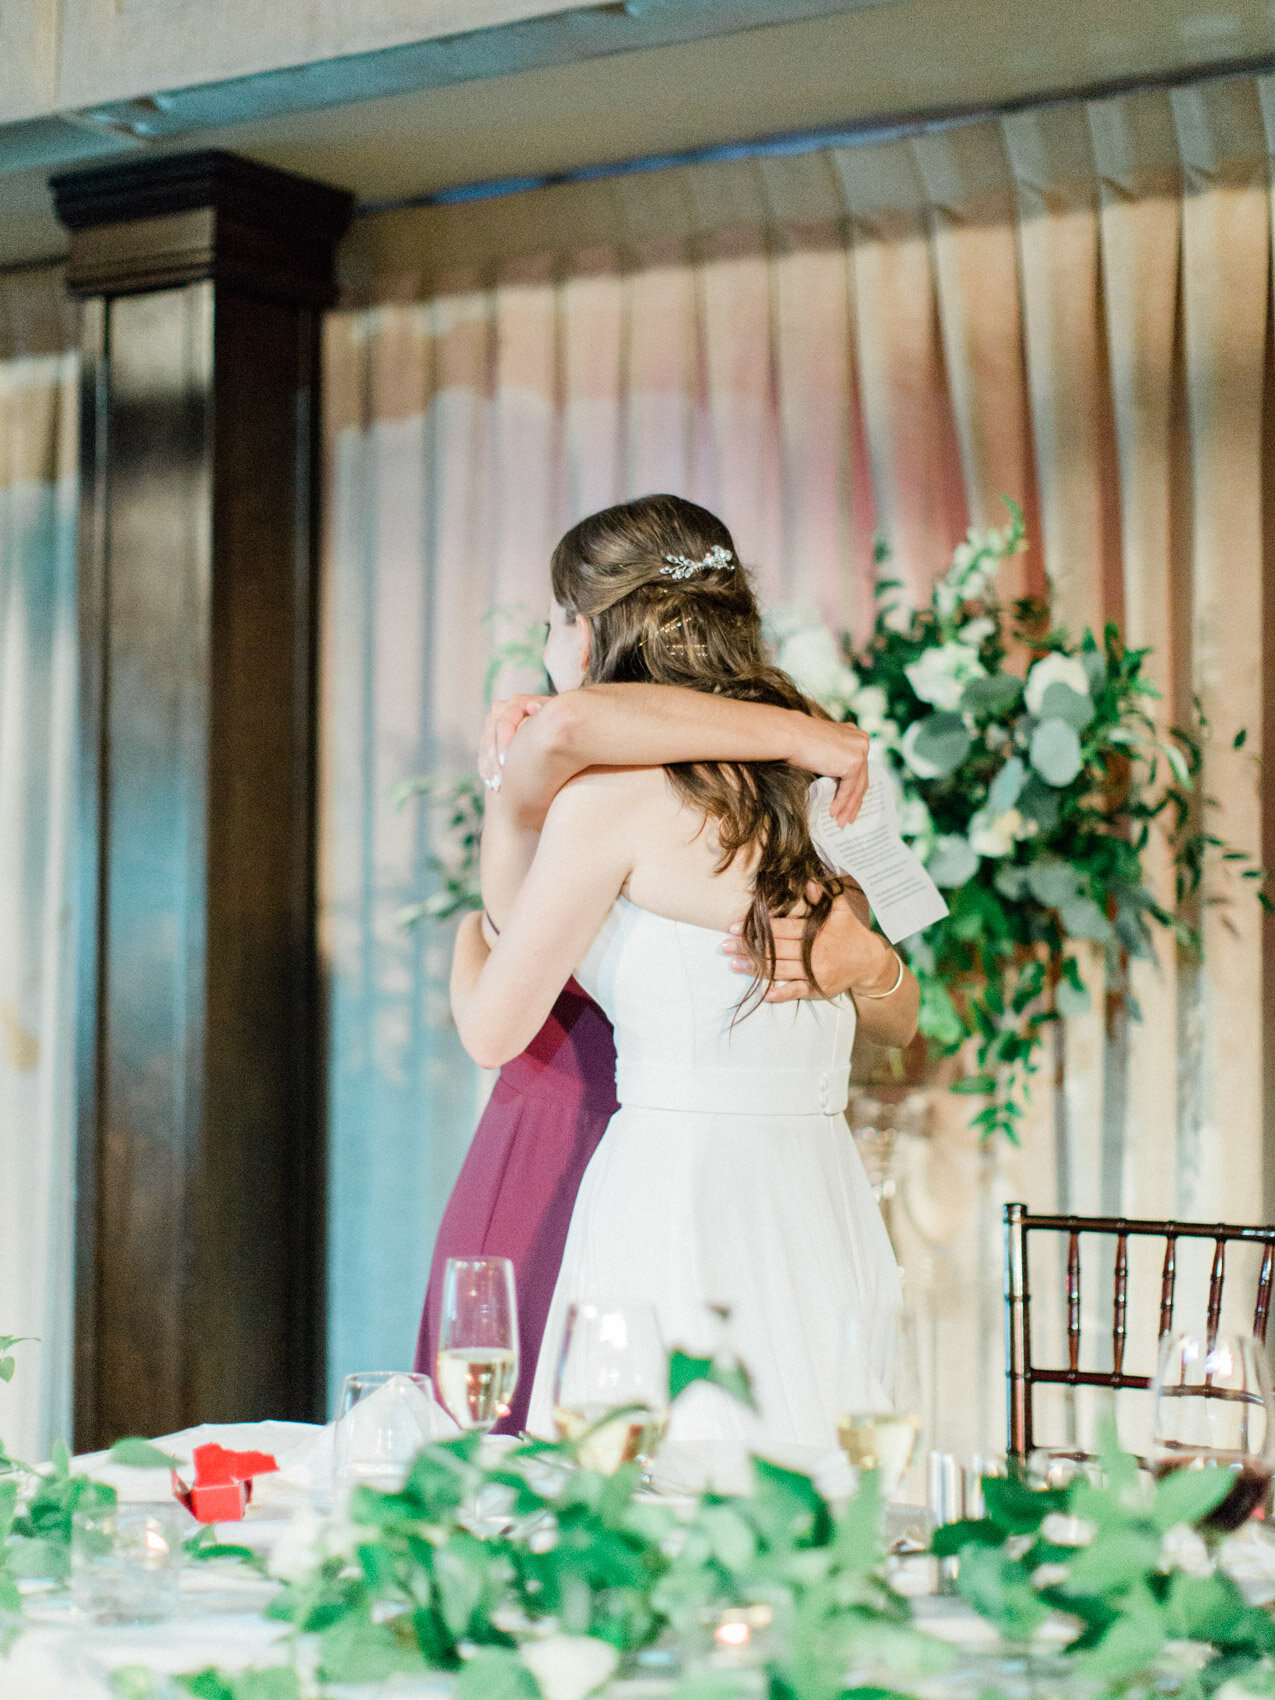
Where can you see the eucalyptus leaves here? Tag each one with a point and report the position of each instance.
(578, 1575)
(7, 1360)
(1031, 775)
(1118, 1555)
(588, 1576)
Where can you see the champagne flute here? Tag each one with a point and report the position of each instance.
(1212, 1402)
(477, 1360)
(611, 1389)
(881, 1418)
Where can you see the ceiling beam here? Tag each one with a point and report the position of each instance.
(561, 38)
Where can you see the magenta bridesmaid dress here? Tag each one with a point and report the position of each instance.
(514, 1195)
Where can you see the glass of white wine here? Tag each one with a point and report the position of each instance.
(881, 1420)
(477, 1360)
(611, 1390)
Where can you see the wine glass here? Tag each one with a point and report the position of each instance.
(612, 1361)
(881, 1417)
(383, 1419)
(1212, 1403)
(477, 1360)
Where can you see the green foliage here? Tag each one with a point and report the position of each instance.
(457, 799)
(8, 1363)
(203, 1547)
(1096, 1551)
(727, 1373)
(137, 1454)
(39, 1526)
(422, 1587)
(454, 863)
(1033, 773)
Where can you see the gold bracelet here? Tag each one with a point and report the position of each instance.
(894, 988)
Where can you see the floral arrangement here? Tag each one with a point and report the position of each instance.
(1030, 776)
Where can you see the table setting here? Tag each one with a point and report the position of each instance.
(405, 1550)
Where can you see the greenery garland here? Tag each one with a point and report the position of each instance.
(537, 1579)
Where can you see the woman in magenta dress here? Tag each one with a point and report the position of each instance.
(550, 1106)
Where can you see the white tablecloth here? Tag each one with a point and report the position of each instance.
(59, 1656)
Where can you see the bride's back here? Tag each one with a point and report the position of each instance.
(688, 1034)
(664, 598)
(676, 852)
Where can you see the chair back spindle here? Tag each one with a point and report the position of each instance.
(1168, 1282)
(1119, 1303)
(1017, 1342)
(1263, 1307)
(1217, 1275)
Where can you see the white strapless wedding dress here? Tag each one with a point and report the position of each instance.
(728, 1176)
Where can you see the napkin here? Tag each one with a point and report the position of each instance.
(712, 1439)
(306, 1471)
(277, 1438)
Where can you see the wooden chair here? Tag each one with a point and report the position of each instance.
(1024, 1376)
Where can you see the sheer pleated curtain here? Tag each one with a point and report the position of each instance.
(1070, 308)
(38, 436)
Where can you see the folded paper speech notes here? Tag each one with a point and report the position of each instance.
(904, 898)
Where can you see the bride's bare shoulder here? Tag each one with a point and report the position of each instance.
(608, 796)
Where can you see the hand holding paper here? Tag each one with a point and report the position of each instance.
(904, 898)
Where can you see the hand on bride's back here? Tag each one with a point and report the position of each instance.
(847, 955)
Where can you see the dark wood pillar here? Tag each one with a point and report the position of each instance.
(199, 1275)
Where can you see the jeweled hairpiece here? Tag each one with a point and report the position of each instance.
(681, 566)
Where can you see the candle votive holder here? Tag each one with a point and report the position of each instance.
(125, 1561)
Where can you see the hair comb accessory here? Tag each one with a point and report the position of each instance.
(681, 566)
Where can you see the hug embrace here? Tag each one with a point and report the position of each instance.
(670, 980)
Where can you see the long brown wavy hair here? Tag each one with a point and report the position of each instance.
(657, 616)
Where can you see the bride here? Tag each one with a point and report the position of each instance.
(727, 1178)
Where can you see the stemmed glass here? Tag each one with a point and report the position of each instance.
(478, 1341)
(880, 1422)
(611, 1389)
(1212, 1399)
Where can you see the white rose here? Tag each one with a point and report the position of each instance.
(1183, 1548)
(307, 1540)
(297, 1550)
(869, 706)
(996, 836)
(812, 658)
(963, 556)
(568, 1667)
(1054, 670)
(947, 598)
(914, 819)
(977, 631)
(940, 674)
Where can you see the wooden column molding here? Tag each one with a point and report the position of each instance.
(199, 1277)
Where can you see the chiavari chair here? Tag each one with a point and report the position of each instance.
(1024, 1375)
